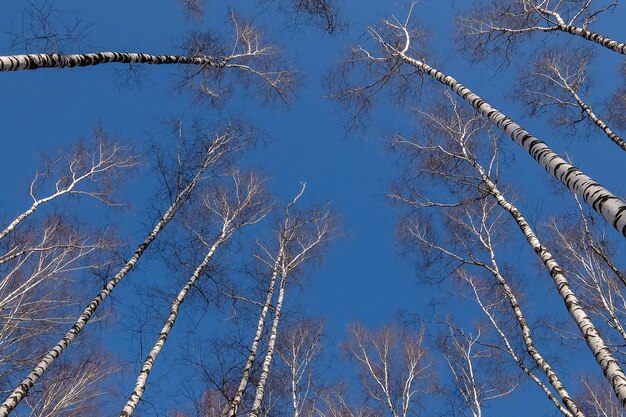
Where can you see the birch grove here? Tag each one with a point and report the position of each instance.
(214, 151)
(395, 368)
(244, 207)
(299, 349)
(475, 375)
(300, 237)
(170, 269)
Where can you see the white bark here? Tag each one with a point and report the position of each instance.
(518, 361)
(611, 207)
(213, 154)
(610, 366)
(605, 41)
(553, 21)
(142, 378)
(299, 348)
(233, 405)
(269, 354)
(298, 237)
(36, 61)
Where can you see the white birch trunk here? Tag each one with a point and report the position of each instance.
(281, 266)
(616, 46)
(611, 207)
(518, 361)
(36, 61)
(142, 378)
(265, 370)
(231, 408)
(542, 363)
(38, 371)
(609, 365)
(532, 350)
(598, 122)
(27, 213)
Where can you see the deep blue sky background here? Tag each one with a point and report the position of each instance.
(364, 278)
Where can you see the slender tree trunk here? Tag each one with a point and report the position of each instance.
(609, 365)
(36, 61)
(609, 133)
(231, 408)
(38, 371)
(260, 389)
(527, 336)
(27, 213)
(611, 207)
(532, 350)
(518, 361)
(142, 378)
(294, 394)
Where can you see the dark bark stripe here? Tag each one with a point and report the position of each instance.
(609, 206)
(36, 61)
(595, 37)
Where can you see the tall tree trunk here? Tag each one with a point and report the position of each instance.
(527, 336)
(609, 365)
(142, 378)
(265, 370)
(608, 43)
(38, 371)
(233, 405)
(36, 61)
(611, 207)
(519, 361)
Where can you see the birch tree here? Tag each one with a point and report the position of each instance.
(475, 373)
(214, 151)
(394, 367)
(397, 53)
(299, 348)
(75, 388)
(85, 169)
(214, 66)
(587, 256)
(473, 226)
(496, 25)
(460, 131)
(299, 236)
(300, 239)
(38, 276)
(232, 208)
(557, 83)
